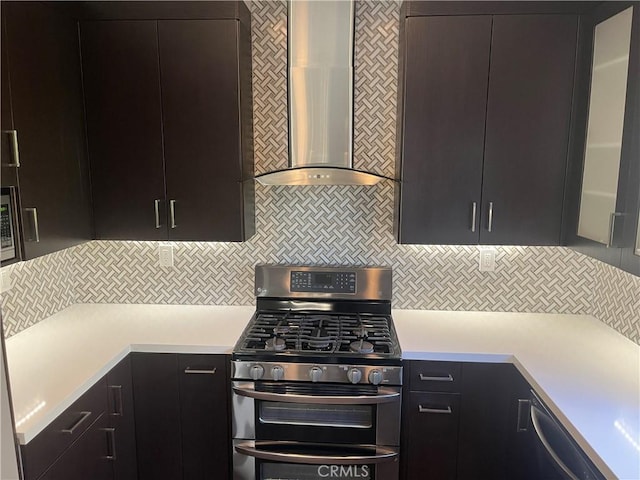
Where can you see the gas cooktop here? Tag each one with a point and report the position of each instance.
(318, 333)
(321, 314)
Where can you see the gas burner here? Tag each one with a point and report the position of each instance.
(319, 344)
(275, 343)
(320, 338)
(361, 346)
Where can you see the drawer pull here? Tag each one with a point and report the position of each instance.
(197, 371)
(117, 400)
(13, 145)
(33, 212)
(156, 209)
(612, 227)
(524, 407)
(422, 409)
(490, 223)
(172, 213)
(427, 378)
(111, 433)
(474, 212)
(83, 417)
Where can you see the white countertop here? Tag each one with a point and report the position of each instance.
(586, 372)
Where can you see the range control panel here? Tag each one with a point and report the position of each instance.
(319, 282)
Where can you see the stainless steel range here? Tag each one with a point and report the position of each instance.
(317, 377)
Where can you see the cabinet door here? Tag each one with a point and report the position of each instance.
(157, 412)
(445, 90)
(9, 174)
(431, 422)
(46, 98)
(528, 120)
(604, 181)
(121, 419)
(630, 160)
(204, 415)
(121, 76)
(87, 458)
(199, 62)
(484, 421)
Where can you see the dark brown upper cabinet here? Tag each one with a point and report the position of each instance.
(43, 139)
(169, 126)
(603, 207)
(485, 110)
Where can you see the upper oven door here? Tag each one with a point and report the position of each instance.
(325, 413)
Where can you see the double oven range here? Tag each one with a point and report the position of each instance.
(316, 377)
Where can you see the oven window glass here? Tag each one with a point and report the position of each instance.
(349, 416)
(293, 471)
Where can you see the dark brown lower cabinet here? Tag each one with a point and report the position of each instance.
(182, 416)
(89, 458)
(486, 420)
(204, 416)
(121, 420)
(65, 436)
(474, 428)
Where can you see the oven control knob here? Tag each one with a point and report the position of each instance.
(375, 377)
(315, 374)
(354, 375)
(256, 372)
(277, 373)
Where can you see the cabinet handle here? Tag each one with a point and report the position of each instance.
(156, 208)
(111, 433)
(172, 213)
(426, 378)
(474, 209)
(612, 227)
(524, 405)
(490, 225)
(422, 409)
(190, 370)
(83, 417)
(34, 222)
(13, 145)
(117, 400)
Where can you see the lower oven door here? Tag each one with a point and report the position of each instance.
(319, 413)
(283, 460)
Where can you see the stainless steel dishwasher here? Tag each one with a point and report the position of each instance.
(559, 456)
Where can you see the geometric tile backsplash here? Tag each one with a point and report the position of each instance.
(325, 225)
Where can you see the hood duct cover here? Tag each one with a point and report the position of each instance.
(320, 55)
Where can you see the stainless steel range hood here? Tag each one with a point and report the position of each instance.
(320, 54)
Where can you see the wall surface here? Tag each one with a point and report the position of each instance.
(332, 225)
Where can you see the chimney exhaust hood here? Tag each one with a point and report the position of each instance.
(320, 103)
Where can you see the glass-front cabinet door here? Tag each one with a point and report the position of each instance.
(604, 170)
(610, 66)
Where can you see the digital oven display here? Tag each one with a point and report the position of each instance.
(323, 282)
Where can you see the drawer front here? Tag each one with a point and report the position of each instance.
(88, 458)
(41, 452)
(427, 376)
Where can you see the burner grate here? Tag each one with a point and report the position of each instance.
(315, 332)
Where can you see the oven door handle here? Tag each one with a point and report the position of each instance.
(385, 396)
(251, 449)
